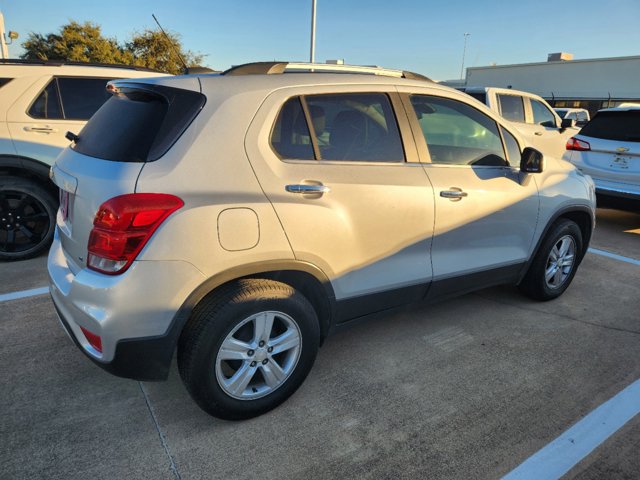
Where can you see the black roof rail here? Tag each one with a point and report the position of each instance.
(58, 63)
(270, 68)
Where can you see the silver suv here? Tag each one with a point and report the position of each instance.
(240, 218)
(39, 102)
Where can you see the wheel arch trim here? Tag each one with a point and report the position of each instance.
(567, 212)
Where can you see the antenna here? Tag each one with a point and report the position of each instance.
(173, 47)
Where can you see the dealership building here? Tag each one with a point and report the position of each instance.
(592, 84)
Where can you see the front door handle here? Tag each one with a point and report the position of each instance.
(305, 188)
(40, 129)
(454, 194)
(538, 133)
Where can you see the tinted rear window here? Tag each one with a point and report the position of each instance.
(621, 125)
(139, 125)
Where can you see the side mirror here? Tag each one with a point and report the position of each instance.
(531, 161)
(567, 123)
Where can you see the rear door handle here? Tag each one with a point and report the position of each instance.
(538, 133)
(41, 129)
(304, 188)
(453, 194)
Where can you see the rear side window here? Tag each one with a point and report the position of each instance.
(82, 97)
(616, 125)
(350, 127)
(291, 137)
(70, 98)
(4, 81)
(47, 105)
(511, 107)
(139, 124)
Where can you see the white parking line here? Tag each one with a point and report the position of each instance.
(5, 297)
(559, 456)
(615, 256)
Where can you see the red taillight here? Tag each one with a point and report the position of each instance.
(94, 340)
(579, 145)
(123, 225)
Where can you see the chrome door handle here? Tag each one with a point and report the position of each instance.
(43, 129)
(307, 188)
(453, 194)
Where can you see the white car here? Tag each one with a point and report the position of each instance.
(580, 115)
(39, 103)
(608, 149)
(530, 114)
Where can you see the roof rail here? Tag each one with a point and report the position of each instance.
(270, 68)
(58, 63)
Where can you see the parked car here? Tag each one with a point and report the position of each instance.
(580, 115)
(242, 217)
(531, 115)
(39, 103)
(608, 149)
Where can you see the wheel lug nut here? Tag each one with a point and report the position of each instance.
(250, 353)
(264, 362)
(261, 344)
(270, 349)
(253, 364)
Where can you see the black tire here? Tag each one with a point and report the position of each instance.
(534, 284)
(27, 218)
(216, 317)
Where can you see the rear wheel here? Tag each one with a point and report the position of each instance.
(556, 262)
(247, 348)
(27, 218)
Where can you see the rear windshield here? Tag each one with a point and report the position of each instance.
(139, 124)
(620, 125)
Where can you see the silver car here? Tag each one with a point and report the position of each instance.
(240, 218)
(608, 149)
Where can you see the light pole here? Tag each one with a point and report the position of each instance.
(464, 51)
(313, 31)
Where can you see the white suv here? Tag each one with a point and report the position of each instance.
(39, 103)
(608, 149)
(242, 217)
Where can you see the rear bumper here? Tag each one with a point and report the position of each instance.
(133, 313)
(136, 358)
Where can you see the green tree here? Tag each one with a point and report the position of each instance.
(75, 42)
(84, 42)
(153, 49)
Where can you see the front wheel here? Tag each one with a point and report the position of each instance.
(247, 348)
(556, 262)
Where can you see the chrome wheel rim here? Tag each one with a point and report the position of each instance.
(560, 262)
(258, 355)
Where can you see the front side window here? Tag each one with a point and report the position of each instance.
(542, 115)
(350, 127)
(458, 134)
(511, 107)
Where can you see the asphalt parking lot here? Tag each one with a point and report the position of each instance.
(469, 388)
